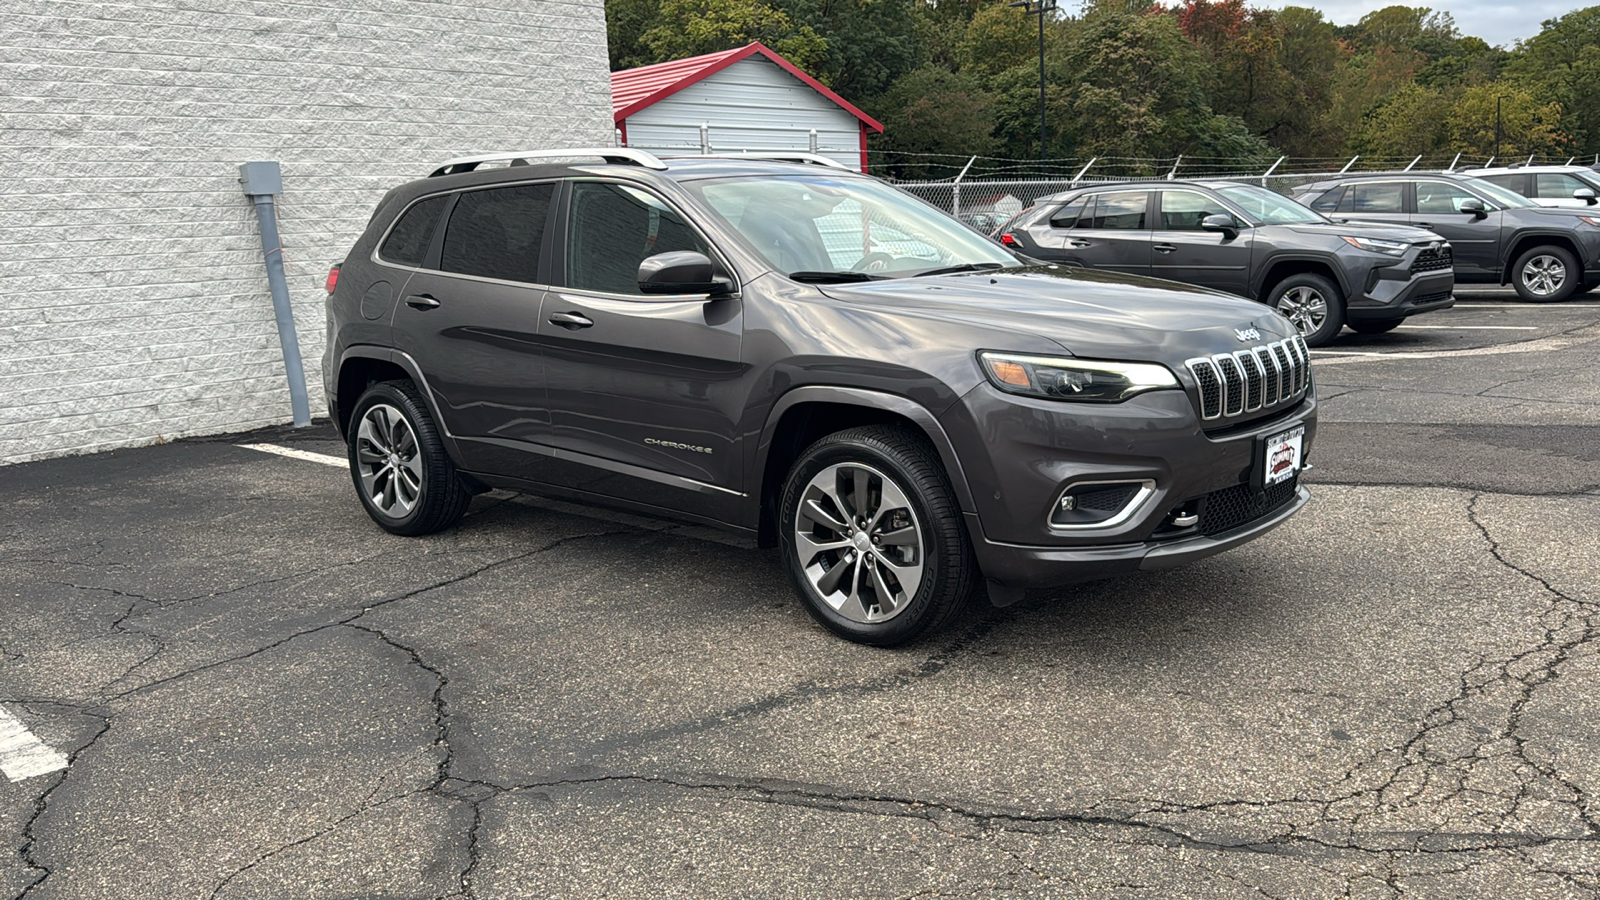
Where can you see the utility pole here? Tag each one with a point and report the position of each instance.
(1497, 128)
(1039, 8)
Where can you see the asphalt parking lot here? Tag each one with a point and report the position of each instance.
(219, 679)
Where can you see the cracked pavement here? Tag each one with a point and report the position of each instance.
(1393, 695)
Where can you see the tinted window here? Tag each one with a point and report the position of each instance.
(1121, 211)
(408, 241)
(1184, 210)
(1068, 216)
(1374, 198)
(1438, 197)
(495, 233)
(1328, 202)
(1557, 185)
(1509, 182)
(613, 229)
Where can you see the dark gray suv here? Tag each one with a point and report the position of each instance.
(808, 357)
(1498, 236)
(1248, 241)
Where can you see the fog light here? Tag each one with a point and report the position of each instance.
(1099, 504)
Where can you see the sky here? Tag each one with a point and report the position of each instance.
(1499, 22)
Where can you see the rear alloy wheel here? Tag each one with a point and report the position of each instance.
(872, 539)
(1313, 303)
(1545, 275)
(402, 474)
(1383, 327)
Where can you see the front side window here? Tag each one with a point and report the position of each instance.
(1436, 197)
(1557, 185)
(495, 233)
(613, 228)
(1185, 210)
(407, 243)
(1122, 211)
(1386, 197)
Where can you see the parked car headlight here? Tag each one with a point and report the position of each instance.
(1083, 380)
(1591, 220)
(1374, 245)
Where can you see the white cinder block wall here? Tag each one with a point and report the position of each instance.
(133, 297)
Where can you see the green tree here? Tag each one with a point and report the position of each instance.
(933, 111)
(1311, 55)
(1562, 63)
(870, 43)
(1408, 122)
(1527, 123)
(693, 27)
(998, 38)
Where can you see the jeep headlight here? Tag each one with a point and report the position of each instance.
(1083, 380)
(1374, 245)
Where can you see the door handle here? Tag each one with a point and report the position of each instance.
(1079, 244)
(571, 321)
(1164, 248)
(422, 301)
(1424, 224)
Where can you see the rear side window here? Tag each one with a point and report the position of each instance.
(496, 233)
(1328, 202)
(408, 241)
(1118, 211)
(613, 229)
(1374, 198)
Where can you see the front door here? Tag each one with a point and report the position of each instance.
(470, 319)
(1182, 251)
(645, 391)
(1474, 242)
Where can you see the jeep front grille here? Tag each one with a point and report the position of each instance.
(1245, 381)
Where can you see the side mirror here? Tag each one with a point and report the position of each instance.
(1220, 222)
(1475, 208)
(680, 272)
(1584, 194)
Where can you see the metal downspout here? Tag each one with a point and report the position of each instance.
(263, 180)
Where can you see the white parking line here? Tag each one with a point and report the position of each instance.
(1539, 345)
(1473, 327)
(21, 754)
(1557, 305)
(306, 455)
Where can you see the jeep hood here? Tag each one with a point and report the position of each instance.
(1091, 313)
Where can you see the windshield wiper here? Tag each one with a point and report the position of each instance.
(963, 267)
(831, 277)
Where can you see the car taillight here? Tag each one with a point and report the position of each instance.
(1008, 240)
(333, 279)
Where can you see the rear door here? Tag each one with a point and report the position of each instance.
(1183, 252)
(1376, 201)
(1114, 233)
(1474, 242)
(645, 391)
(470, 320)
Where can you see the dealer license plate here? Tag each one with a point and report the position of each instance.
(1283, 456)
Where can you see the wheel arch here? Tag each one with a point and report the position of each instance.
(805, 414)
(362, 366)
(1280, 267)
(1522, 243)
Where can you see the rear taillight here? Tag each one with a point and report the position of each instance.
(333, 279)
(1008, 240)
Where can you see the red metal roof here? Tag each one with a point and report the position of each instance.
(635, 89)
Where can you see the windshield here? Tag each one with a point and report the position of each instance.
(1504, 197)
(1270, 208)
(821, 227)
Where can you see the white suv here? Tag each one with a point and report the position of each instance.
(1574, 186)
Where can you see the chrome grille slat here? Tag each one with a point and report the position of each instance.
(1246, 381)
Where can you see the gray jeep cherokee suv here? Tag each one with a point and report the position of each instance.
(1249, 241)
(811, 358)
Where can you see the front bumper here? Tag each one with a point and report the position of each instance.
(1396, 293)
(1018, 565)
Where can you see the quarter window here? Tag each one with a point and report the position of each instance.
(1118, 211)
(1069, 215)
(1329, 201)
(1374, 198)
(614, 228)
(1185, 210)
(495, 233)
(407, 243)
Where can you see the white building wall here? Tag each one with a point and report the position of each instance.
(133, 295)
(753, 105)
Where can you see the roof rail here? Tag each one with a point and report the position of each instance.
(621, 155)
(794, 156)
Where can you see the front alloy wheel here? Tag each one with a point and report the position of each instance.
(1545, 274)
(1313, 303)
(859, 542)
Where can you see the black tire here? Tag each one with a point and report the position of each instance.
(895, 465)
(1313, 303)
(396, 455)
(1546, 274)
(1383, 327)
